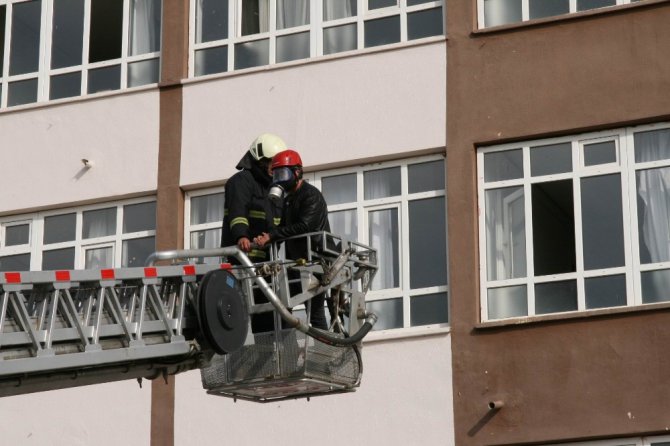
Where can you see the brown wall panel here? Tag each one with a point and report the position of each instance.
(594, 377)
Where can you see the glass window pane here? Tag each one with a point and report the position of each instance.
(381, 183)
(255, 15)
(583, 5)
(340, 38)
(19, 262)
(429, 309)
(500, 166)
(291, 13)
(383, 235)
(599, 153)
(99, 223)
(292, 47)
(510, 301)
(427, 243)
(655, 286)
(104, 79)
(501, 12)
(60, 228)
(17, 235)
(344, 223)
(145, 26)
(136, 251)
(252, 54)
(551, 159)
(143, 72)
(652, 146)
(389, 312)
(603, 292)
(24, 53)
(105, 37)
(424, 23)
(211, 20)
(382, 31)
(98, 258)
(58, 259)
(602, 222)
(544, 8)
(139, 217)
(553, 228)
(67, 40)
(22, 92)
(417, 2)
(65, 85)
(3, 17)
(555, 297)
(338, 9)
(505, 233)
(425, 177)
(339, 188)
(210, 238)
(653, 214)
(211, 60)
(207, 208)
(376, 4)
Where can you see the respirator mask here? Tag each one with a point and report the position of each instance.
(283, 181)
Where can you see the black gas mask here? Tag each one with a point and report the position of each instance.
(284, 180)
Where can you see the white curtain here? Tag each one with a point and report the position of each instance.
(255, 16)
(338, 9)
(207, 208)
(500, 12)
(292, 13)
(505, 234)
(145, 26)
(99, 223)
(99, 258)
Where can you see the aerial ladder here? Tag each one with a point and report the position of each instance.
(69, 328)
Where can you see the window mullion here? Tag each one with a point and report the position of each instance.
(403, 248)
(528, 211)
(45, 55)
(118, 237)
(579, 239)
(85, 46)
(125, 47)
(191, 37)
(634, 282)
(8, 45)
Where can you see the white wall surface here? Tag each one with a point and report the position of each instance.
(405, 399)
(330, 111)
(42, 150)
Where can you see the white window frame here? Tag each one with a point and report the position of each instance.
(315, 28)
(45, 71)
(634, 441)
(625, 165)
(190, 228)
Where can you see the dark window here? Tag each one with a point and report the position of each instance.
(425, 23)
(3, 14)
(382, 31)
(104, 79)
(59, 228)
(211, 60)
(22, 92)
(25, 42)
(58, 259)
(106, 30)
(427, 243)
(429, 309)
(68, 33)
(212, 23)
(65, 85)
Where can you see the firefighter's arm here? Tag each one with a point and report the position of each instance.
(239, 197)
(309, 216)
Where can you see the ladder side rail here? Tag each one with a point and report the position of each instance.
(4, 300)
(157, 306)
(142, 308)
(51, 299)
(71, 313)
(97, 322)
(117, 313)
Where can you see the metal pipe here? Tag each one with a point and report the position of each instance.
(496, 405)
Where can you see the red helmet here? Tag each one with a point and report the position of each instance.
(287, 158)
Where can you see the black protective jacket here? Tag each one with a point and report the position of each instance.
(247, 210)
(304, 210)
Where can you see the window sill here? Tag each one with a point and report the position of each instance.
(566, 17)
(404, 333)
(531, 320)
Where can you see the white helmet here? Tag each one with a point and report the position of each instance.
(266, 146)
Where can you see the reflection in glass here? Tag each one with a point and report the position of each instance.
(252, 54)
(99, 223)
(340, 38)
(603, 292)
(583, 5)
(543, 8)
(382, 31)
(65, 85)
(389, 312)
(136, 251)
(602, 222)
(58, 259)
(506, 165)
(555, 297)
(210, 238)
(143, 72)
(653, 145)
(504, 302)
(505, 233)
(24, 53)
(553, 227)
(22, 92)
(338, 9)
(427, 243)
(501, 12)
(655, 286)
(207, 208)
(381, 183)
(211, 20)
(145, 26)
(139, 217)
(429, 309)
(104, 79)
(17, 235)
(211, 60)
(339, 188)
(19, 262)
(424, 177)
(599, 153)
(383, 235)
(551, 159)
(98, 258)
(106, 30)
(424, 23)
(255, 15)
(653, 214)
(291, 13)
(60, 228)
(292, 47)
(344, 223)
(67, 37)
